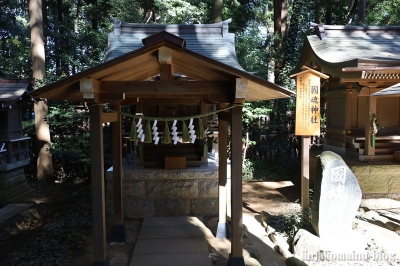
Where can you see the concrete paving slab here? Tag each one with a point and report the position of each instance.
(172, 221)
(183, 231)
(176, 259)
(172, 241)
(171, 245)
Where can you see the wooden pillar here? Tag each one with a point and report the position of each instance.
(222, 230)
(204, 109)
(236, 256)
(97, 180)
(305, 173)
(348, 111)
(370, 109)
(118, 233)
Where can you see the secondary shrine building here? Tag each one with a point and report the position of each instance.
(362, 121)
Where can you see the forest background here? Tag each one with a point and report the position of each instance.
(269, 39)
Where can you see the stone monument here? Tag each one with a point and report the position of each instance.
(337, 196)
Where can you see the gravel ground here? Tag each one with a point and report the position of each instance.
(51, 232)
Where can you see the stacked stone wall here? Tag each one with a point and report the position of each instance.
(376, 180)
(157, 192)
(13, 183)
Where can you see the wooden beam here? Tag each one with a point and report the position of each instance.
(186, 101)
(165, 87)
(218, 98)
(88, 87)
(109, 97)
(130, 101)
(109, 117)
(241, 87)
(166, 72)
(164, 56)
(363, 80)
(97, 181)
(165, 60)
(209, 99)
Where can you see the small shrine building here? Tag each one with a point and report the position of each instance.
(171, 72)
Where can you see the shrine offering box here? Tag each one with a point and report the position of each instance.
(175, 163)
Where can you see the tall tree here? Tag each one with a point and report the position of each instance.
(280, 25)
(217, 11)
(44, 158)
(361, 11)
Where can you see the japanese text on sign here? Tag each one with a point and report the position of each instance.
(308, 105)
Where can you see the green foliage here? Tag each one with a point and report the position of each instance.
(15, 53)
(182, 12)
(70, 140)
(381, 13)
(289, 223)
(76, 39)
(277, 169)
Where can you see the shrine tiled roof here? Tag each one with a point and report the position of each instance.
(167, 53)
(11, 90)
(211, 40)
(337, 47)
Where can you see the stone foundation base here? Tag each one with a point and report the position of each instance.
(376, 180)
(13, 183)
(159, 192)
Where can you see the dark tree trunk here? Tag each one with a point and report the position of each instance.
(328, 15)
(217, 11)
(280, 24)
(362, 10)
(44, 158)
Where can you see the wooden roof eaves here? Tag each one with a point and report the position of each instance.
(69, 81)
(392, 91)
(334, 69)
(342, 30)
(25, 85)
(219, 28)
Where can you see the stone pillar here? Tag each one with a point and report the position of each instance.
(97, 180)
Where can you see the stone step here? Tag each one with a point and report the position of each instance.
(392, 214)
(378, 144)
(380, 151)
(372, 158)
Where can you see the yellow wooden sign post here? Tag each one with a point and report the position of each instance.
(308, 121)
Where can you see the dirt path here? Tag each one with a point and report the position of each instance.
(274, 197)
